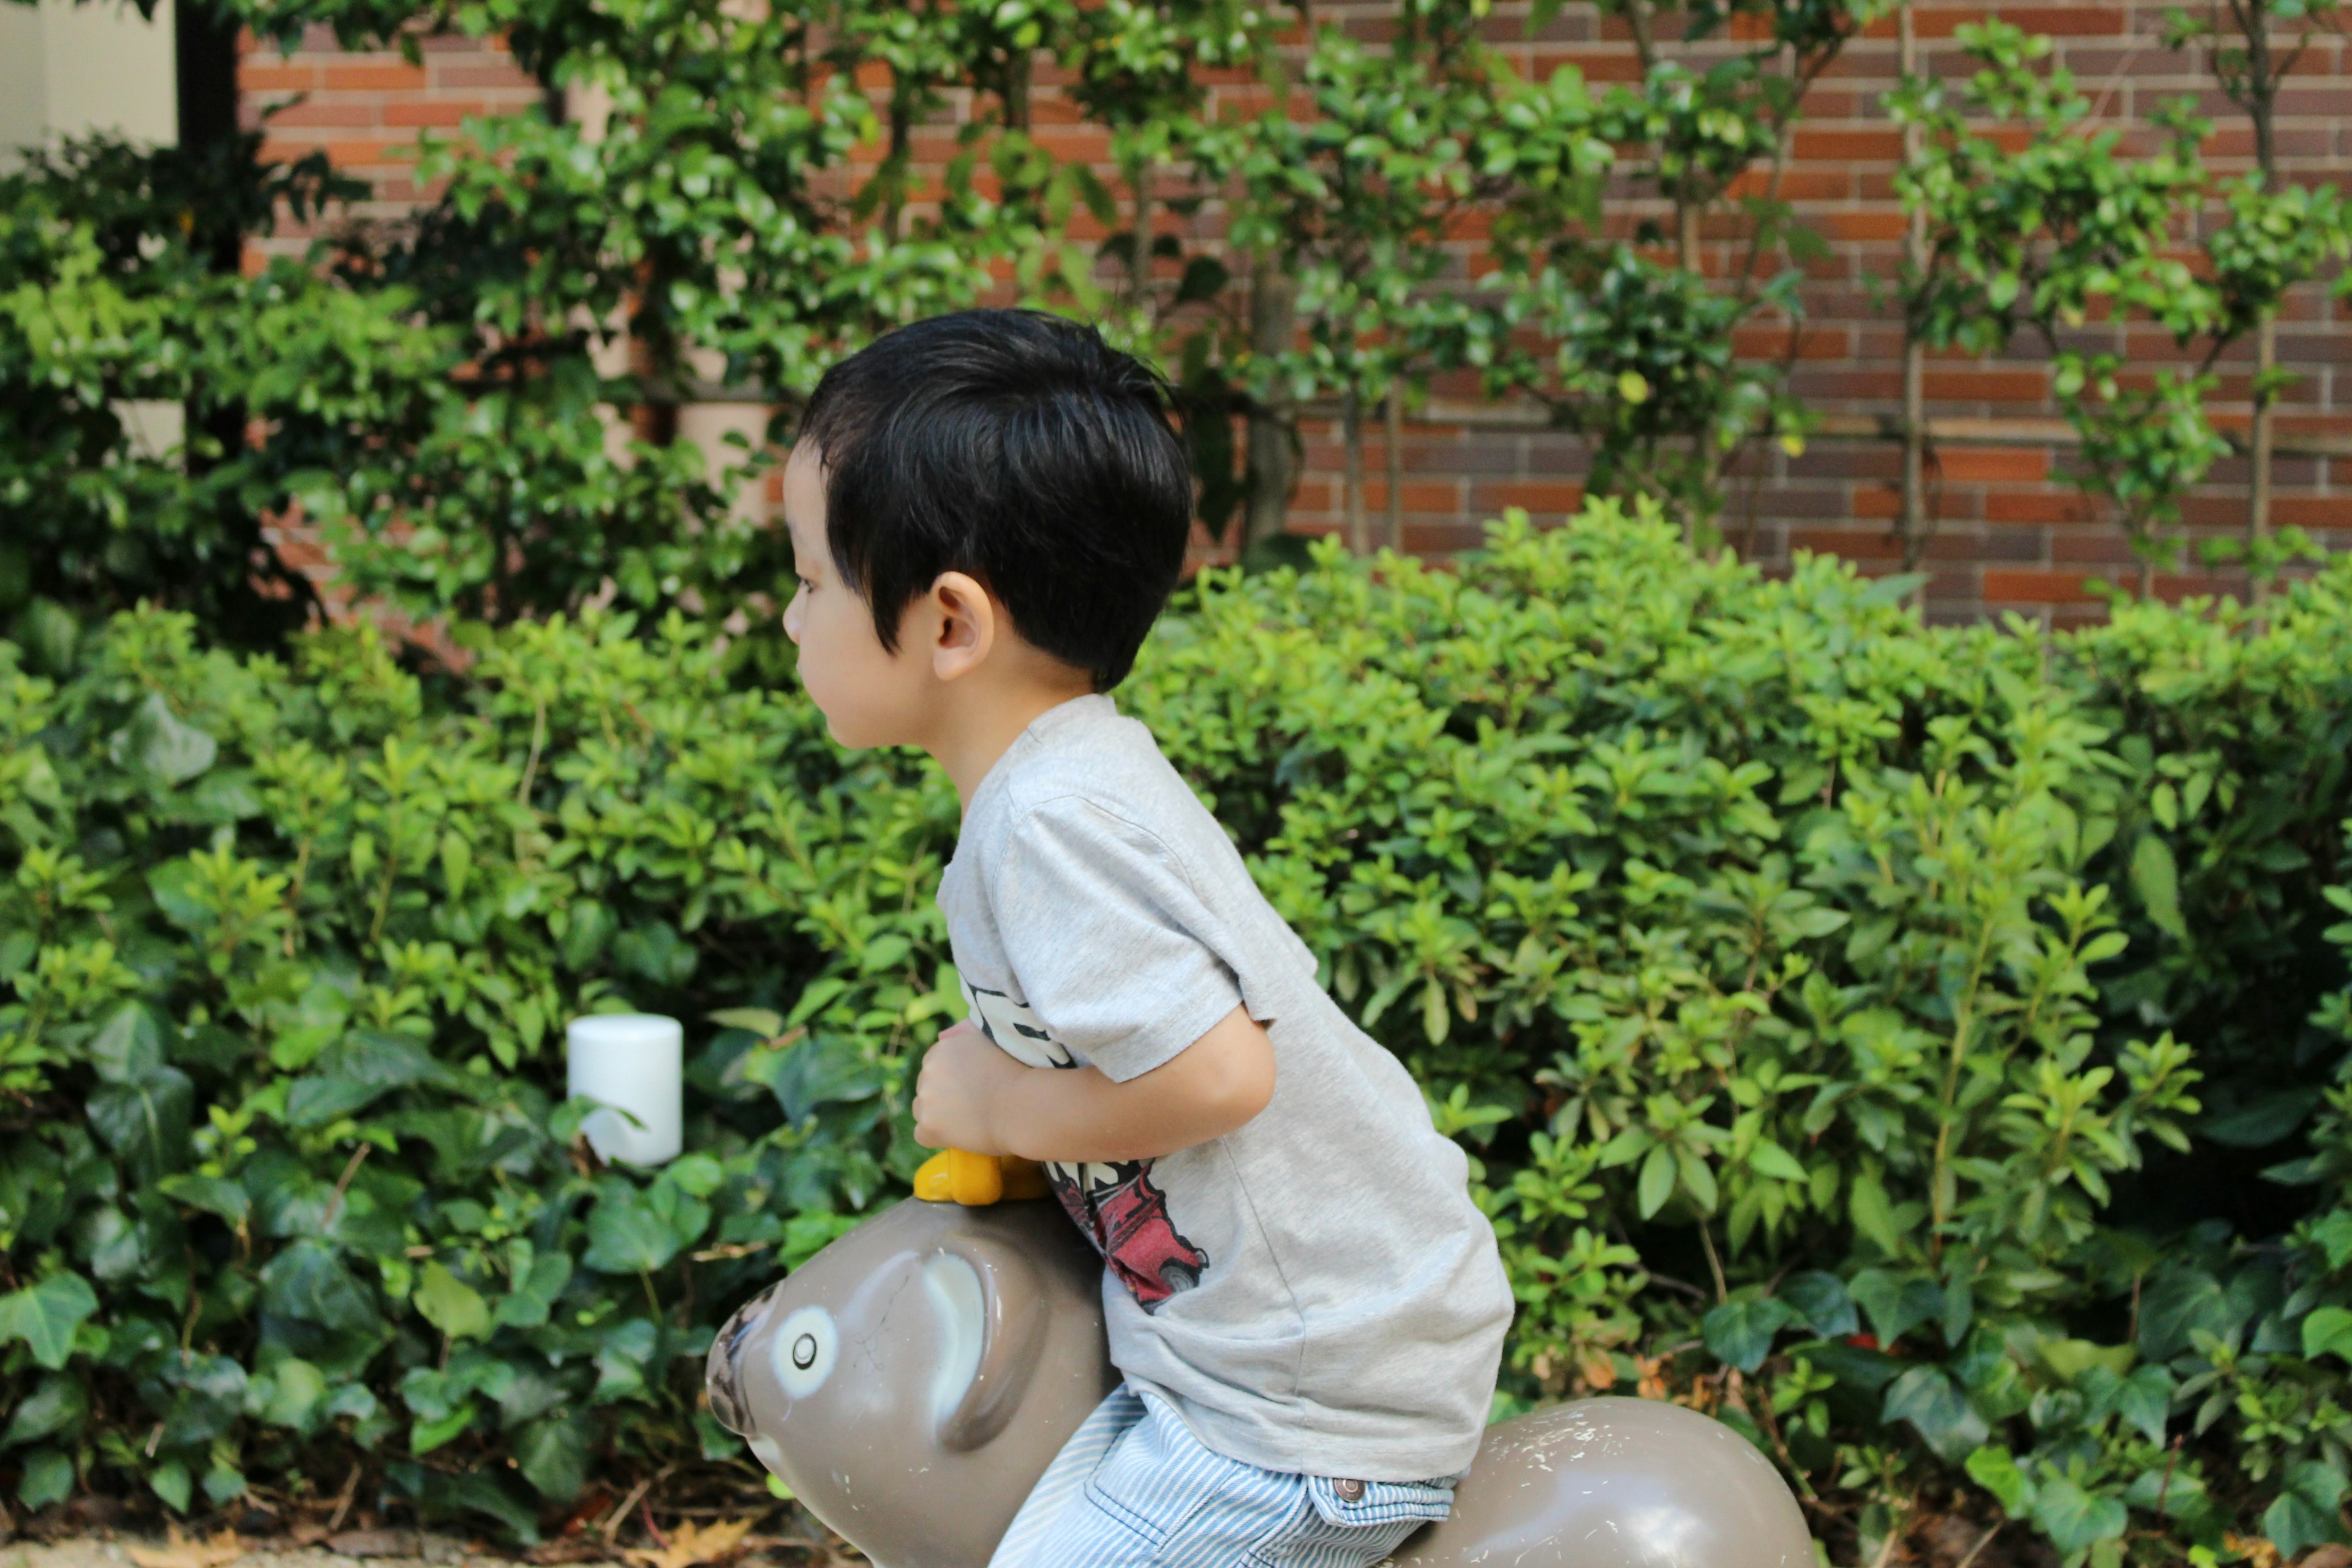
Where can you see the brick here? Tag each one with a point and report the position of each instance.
(1811, 145)
(2039, 507)
(1993, 465)
(444, 112)
(1534, 494)
(1986, 384)
(252, 76)
(374, 78)
(2019, 586)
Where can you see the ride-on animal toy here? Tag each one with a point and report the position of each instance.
(911, 1382)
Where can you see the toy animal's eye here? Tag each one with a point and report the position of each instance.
(804, 1350)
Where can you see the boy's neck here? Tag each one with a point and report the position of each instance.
(978, 720)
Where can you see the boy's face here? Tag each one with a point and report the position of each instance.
(870, 696)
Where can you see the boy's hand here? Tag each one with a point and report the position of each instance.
(957, 1091)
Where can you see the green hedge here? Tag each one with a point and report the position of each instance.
(1909, 1043)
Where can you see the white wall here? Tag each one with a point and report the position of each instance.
(68, 69)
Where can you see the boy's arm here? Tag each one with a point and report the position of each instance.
(972, 1096)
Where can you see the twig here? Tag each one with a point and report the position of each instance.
(343, 1499)
(645, 1510)
(538, 739)
(335, 1203)
(1886, 1547)
(1714, 1264)
(1983, 1542)
(612, 1526)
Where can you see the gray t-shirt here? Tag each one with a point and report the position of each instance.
(1314, 1291)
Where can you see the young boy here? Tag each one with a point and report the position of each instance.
(988, 510)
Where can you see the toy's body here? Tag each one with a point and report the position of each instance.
(911, 1382)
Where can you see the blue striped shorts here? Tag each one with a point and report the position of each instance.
(1134, 1488)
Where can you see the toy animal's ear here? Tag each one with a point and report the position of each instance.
(992, 1305)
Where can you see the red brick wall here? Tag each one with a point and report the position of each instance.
(2011, 536)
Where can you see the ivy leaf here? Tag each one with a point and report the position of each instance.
(1822, 1297)
(1740, 1332)
(146, 1121)
(309, 1282)
(451, 1305)
(1926, 1397)
(128, 1046)
(356, 1072)
(627, 1233)
(170, 1482)
(44, 1315)
(1994, 1469)
(2074, 1519)
(56, 1404)
(552, 1454)
(157, 742)
(214, 1195)
(621, 1357)
(48, 1478)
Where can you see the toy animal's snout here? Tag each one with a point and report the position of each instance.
(911, 1382)
(722, 1377)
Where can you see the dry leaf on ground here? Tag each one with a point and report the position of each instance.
(693, 1544)
(179, 1552)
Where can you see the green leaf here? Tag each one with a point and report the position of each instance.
(46, 1314)
(451, 1305)
(622, 1354)
(1926, 1397)
(357, 1070)
(170, 1482)
(626, 1234)
(146, 1121)
(308, 1281)
(161, 744)
(764, 1022)
(1873, 1217)
(48, 1478)
(2156, 879)
(56, 1404)
(214, 1195)
(425, 1435)
(129, 1045)
(2328, 1332)
(296, 1395)
(1769, 1159)
(1657, 1181)
(1740, 1332)
(1994, 1469)
(1822, 1297)
(552, 1454)
(1892, 589)
(2076, 1519)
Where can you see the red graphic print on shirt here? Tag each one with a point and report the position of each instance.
(1114, 1202)
(1127, 1218)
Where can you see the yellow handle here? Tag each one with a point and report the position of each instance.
(955, 1176)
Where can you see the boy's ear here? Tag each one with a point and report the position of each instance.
(964, 625)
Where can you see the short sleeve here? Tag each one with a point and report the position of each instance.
(1106, 937)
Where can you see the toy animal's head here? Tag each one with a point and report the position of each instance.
(912, 1381)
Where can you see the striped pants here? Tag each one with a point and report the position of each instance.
(1134, 1488)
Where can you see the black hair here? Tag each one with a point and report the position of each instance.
(1023, 449)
